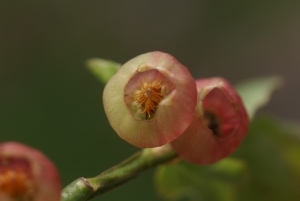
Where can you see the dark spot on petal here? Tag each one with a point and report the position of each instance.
(212, 122)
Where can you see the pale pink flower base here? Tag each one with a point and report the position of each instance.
(172, 115)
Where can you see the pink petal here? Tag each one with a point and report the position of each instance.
(199, 144)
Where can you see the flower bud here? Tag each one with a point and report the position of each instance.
(151, 100)
(27, 175)
(219, 125)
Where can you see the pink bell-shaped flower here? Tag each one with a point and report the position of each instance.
(219, 125)
(27, 175)
(151, 100)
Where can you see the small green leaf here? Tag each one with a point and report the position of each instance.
(103, 69)
(256, 92)
(184, 181)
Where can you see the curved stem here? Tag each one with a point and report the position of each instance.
(87, 188)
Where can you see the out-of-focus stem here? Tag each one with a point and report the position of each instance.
(87, 188)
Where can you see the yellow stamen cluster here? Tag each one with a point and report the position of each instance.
(149, 96)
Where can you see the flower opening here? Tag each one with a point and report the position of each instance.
(151, 99)
(212, 122)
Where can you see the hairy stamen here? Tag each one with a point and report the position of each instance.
(149, 96)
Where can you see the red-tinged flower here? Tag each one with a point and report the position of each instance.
(219, 126)
(151, 100)
(27, 175)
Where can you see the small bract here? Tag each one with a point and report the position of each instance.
(27, 175)
(219, 126)
(151, 100)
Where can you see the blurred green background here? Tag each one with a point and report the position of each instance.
(50, 101)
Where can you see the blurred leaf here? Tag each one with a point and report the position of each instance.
(256, 92)
(272, 154)
(185, 181)
(102, 69)
(265, 167)
(290, 145)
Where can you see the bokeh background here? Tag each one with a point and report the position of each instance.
(50, 101)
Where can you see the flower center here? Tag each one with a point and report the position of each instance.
(15, 179)
(149, 97)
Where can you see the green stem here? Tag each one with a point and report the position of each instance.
(87, 188)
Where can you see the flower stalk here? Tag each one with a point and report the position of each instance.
(87, 188)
